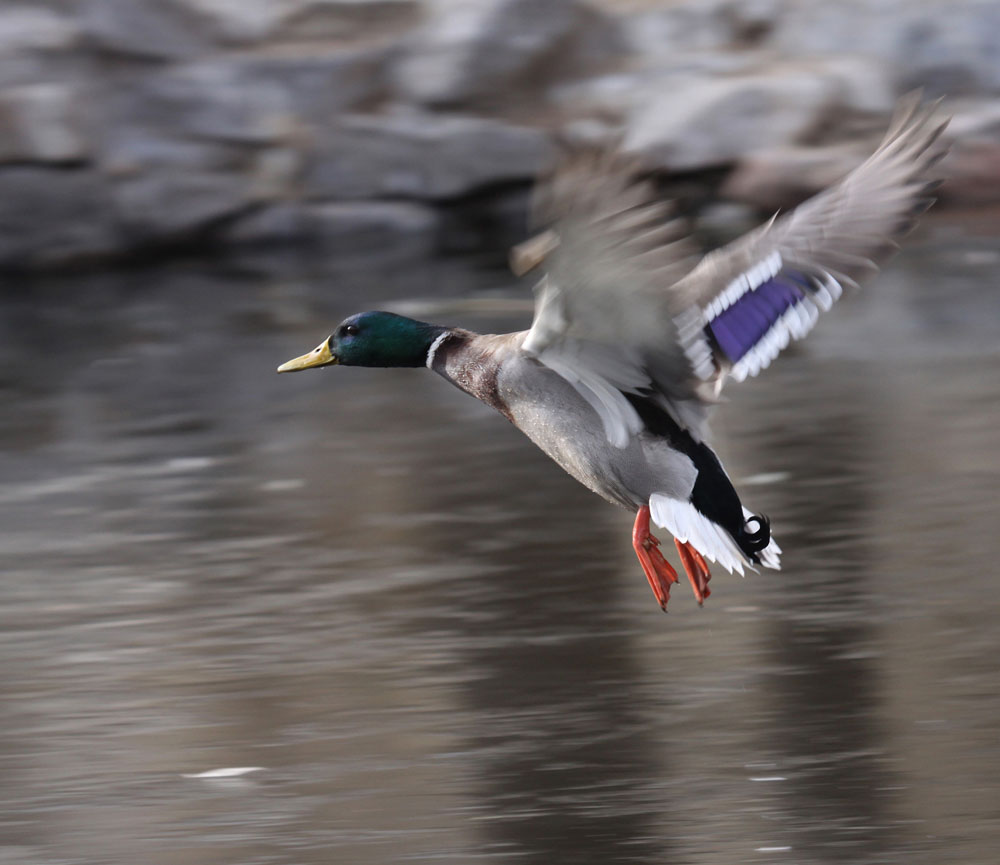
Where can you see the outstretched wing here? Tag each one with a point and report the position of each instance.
(603, 317)
(621, 310)
(761, 291)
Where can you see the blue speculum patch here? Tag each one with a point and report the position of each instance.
(741, 326)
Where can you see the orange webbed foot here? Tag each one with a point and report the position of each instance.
(697, 570)
(657, 569)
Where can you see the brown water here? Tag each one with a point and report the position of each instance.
(438, 648)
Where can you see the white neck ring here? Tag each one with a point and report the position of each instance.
(434, 347)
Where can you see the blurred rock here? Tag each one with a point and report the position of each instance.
(695, 25)
(610, 97)
(469, 50)
(277, 224)
(973, 173)
(946, 46)
(492, 222)
(238, 21)
(37, 46)
(244, 118)
(864, 84)
(144, 29)
(316, 81)
(972, 168)
(350, 20)
(974, 119)
(53, 216)
(589, 132)
(723, 221)
(666, 34)
(41, 123)
(421, 156)
(172, 205)
(614, 96)
(712, 123)
(751, 21)
(128, 152)
(303, 21)
(275, 172)
(209, 100)
(32, 28)
(390, 228)
(784, 176)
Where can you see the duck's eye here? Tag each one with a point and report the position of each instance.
(351, 330)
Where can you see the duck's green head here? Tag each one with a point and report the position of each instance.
(372, 339)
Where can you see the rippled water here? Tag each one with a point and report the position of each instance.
(436, 647)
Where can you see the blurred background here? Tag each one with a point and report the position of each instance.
(427, 642)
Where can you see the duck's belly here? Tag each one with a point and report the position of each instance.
(555, 417)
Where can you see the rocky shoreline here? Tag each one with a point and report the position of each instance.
(368, 125)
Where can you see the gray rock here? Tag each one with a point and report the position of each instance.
(616, 95)
(37, 45)
(144, 29)
(612, 96)
(784, 176)
(282, 224)
(704, 124)
(383, 231)
(239, 21)
(972, 171)
(349, 20)
(481, 49)
(699, 25)
(751, 21)
(723, 221)
(590, 133)
(29, 28)
(127, 152)
(248, 22)
(209, 100)
(394, 229)
(864, 84)
(275, 172)
(972, 167)
(655, 34)
(947, 46)
(390, 228)
(51, 216)
(169, 205)
(490, 224)
(41, 123)
(974, 119)
(421, 156)
(316, 81)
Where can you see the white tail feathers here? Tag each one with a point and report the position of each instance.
(686, 523)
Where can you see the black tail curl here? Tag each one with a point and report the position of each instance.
(752, 541)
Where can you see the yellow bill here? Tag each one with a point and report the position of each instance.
(319, 356)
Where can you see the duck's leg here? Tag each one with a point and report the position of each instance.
(657, 569)
(697, 570)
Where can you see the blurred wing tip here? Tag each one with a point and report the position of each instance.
(530, 254)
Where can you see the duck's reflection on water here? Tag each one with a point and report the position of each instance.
(825, 738)
(565, 754)
(439, 647)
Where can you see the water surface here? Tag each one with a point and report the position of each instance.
(436, 646)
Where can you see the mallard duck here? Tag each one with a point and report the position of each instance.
(633, 336)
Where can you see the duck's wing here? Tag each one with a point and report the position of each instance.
(604, 317)
(622, 309)
(755, 295)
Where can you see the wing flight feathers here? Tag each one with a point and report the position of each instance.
(626, 307)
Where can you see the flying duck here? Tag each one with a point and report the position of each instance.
(633, 336)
